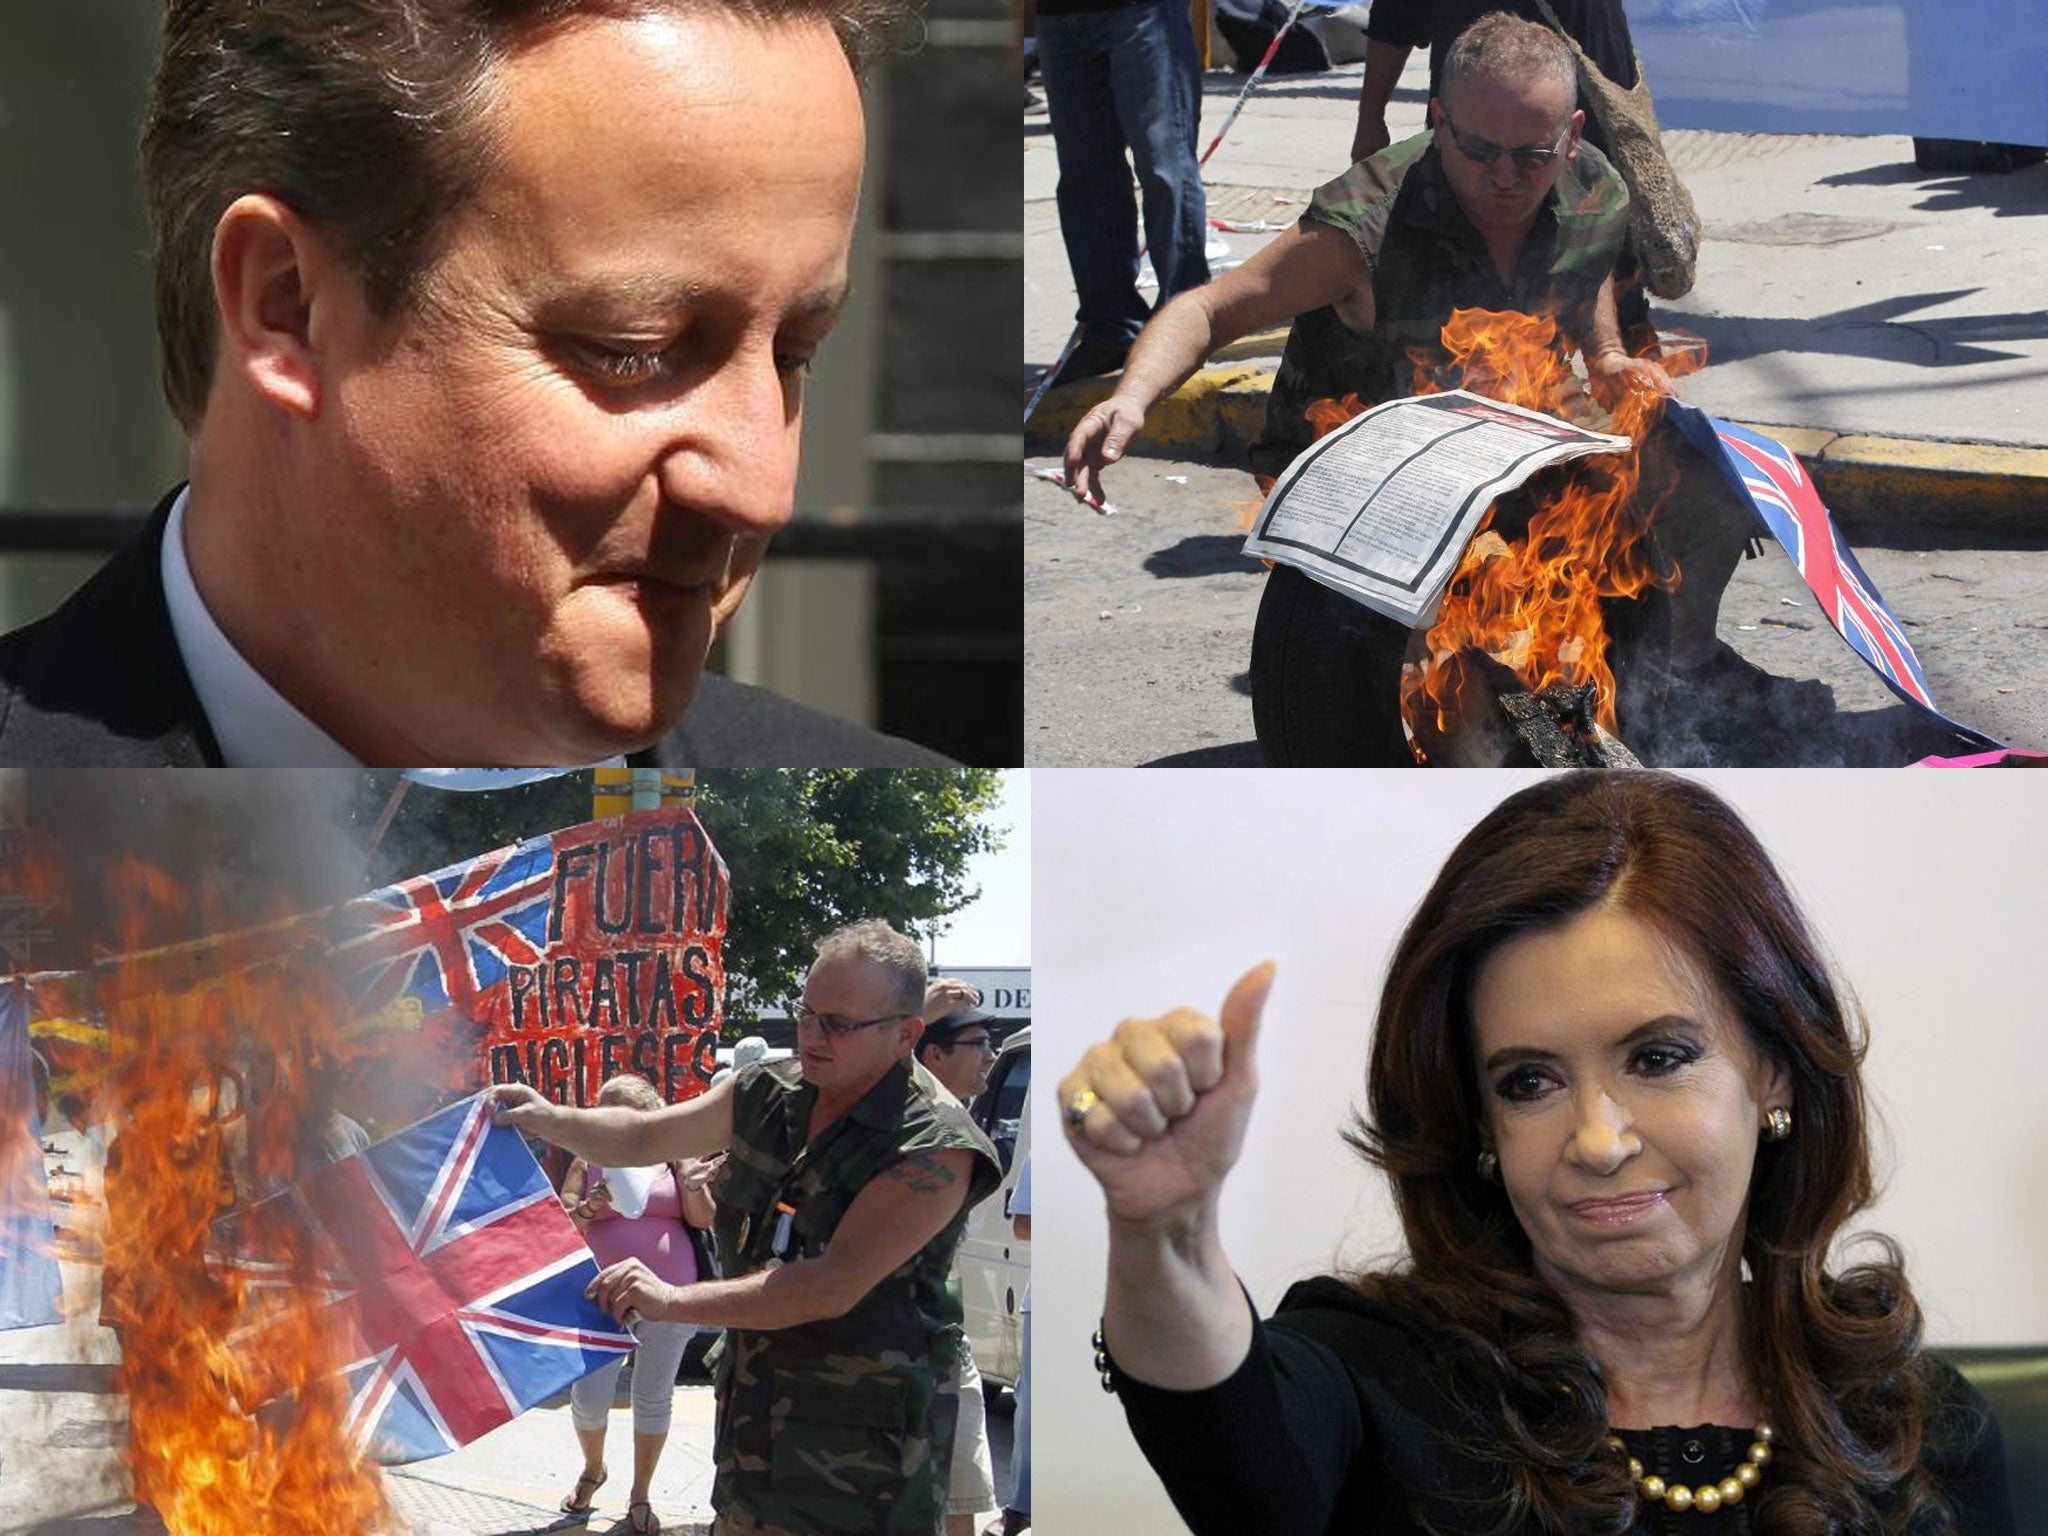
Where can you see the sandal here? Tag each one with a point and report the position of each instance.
(581, 1496)
(647, 1524)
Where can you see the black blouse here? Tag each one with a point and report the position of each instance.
(1340, 1422)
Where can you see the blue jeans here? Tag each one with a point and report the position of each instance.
(1116, 81)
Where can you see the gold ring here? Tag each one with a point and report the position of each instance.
(1079, 1102)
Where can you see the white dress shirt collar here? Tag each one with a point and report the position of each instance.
(255, 725)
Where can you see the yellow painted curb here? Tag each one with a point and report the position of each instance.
(1808, 442)
(1188, 421)
(1908, 488)
(1259, 344)
(1916, 490)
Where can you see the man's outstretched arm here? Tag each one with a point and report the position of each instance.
(903, 1207)
(1304, 269)
(617, 1137)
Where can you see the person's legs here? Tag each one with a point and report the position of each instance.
(1098, 221)
(590, 1406)
(1156, 79)
(970, 1485)
(654, 1392)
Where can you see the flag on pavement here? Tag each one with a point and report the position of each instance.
(31, 1289)
(461, 1277)
(1769, 476)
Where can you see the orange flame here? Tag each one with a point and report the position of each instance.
(217, 1086)
(1531, 602)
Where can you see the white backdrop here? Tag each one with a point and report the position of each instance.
(1157, 889)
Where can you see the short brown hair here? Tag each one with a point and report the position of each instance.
(370, 119)
(1505, 46)
(877, 943)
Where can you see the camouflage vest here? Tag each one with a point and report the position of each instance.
(1426, 260)
(842, 1427)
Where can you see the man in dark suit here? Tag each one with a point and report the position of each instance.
(493, 389)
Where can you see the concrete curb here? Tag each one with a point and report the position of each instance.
(1903, 493)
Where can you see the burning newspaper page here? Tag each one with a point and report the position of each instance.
(1381, 509)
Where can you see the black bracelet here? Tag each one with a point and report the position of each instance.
(1103, 1366)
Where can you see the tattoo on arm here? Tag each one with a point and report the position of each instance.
(923, 1174)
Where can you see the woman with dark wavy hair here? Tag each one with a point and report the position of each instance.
(1618, 1098)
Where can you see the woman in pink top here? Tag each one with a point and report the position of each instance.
(658, 1238)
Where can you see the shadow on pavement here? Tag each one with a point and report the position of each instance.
(2006, 193)
(1888, 737)
(1238, 754)
(1203, 554)
(1873, 331)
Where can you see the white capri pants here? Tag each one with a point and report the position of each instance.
(654, 1381)
(971, 1484)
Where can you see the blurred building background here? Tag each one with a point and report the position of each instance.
(894, 599)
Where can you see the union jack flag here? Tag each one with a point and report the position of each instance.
(1777, 486)
(461, 1277)
(446, 939)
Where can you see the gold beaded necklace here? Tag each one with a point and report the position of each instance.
(1706, 1497)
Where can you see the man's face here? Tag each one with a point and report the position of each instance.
(963, 1066)
(1484, 113)
(849, 990)
(545, 484)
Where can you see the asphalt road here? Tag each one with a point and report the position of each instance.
(1139, 626)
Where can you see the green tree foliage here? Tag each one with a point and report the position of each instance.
(434, 828)
(811, 849)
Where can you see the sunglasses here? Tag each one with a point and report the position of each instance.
(1527, 157)
(832, 1027)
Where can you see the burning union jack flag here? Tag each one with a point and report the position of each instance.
(462, 1278)
(442, 942)
(1776, 485)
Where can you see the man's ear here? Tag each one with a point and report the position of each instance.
(1571, 148)
(269, 266)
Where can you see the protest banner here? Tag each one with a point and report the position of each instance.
(558, 962)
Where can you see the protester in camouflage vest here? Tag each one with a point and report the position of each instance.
(1427, 259)
(1499, 207)
(847, 1181)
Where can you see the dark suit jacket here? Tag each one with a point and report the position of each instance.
(100, 684)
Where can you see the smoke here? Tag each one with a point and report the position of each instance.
(246, 846)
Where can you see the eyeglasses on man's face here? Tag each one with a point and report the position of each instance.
(1528, 158)
(832, 1026)
(975, 1043)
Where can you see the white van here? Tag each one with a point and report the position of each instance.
(993, 1265)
